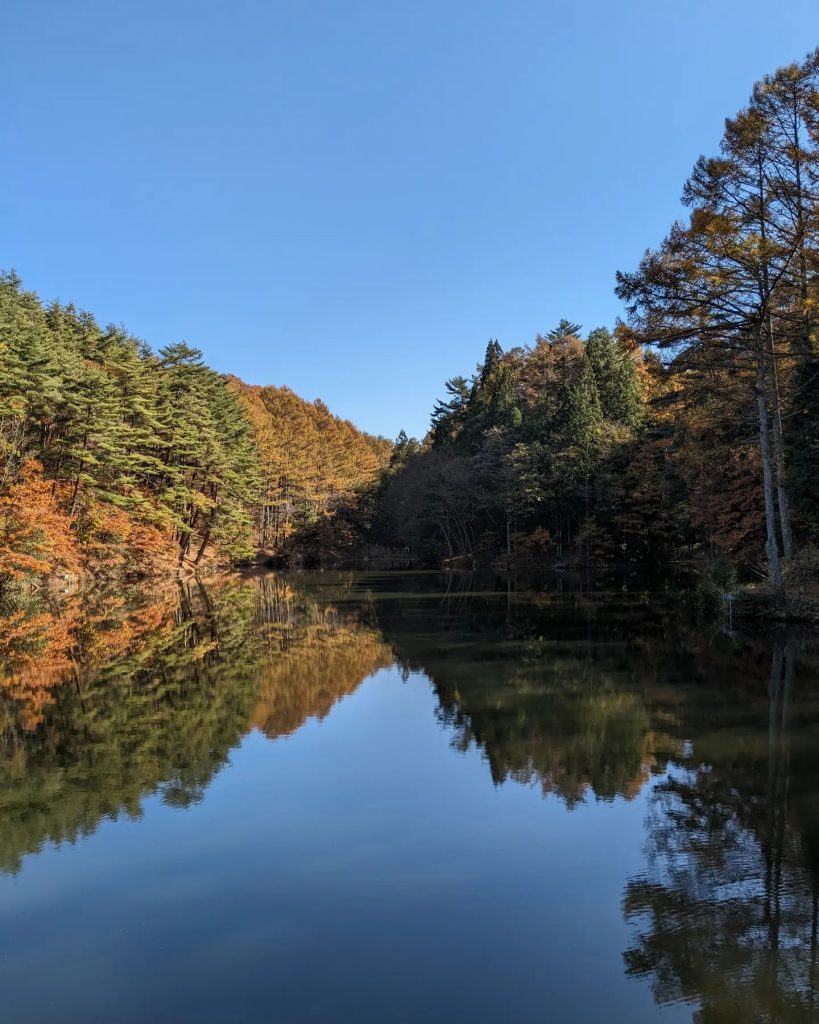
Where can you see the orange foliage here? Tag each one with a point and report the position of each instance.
(39, 652)
(311, 462)
(118, 541)
(35, 534)
(35, 651)
(311, 668)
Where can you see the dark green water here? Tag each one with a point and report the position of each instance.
(402, 797)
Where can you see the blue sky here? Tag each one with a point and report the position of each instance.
(351, 197)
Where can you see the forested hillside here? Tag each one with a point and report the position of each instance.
(119, 461)
(536, 453)
(693, 430)
(314, 470)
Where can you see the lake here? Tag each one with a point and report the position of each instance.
(406, 797)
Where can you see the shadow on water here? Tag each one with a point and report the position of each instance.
(584, 696)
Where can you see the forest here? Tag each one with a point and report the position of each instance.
(686, 433)
(689, 432)
(119, 461)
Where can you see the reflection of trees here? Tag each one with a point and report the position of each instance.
(107, 709)
(565, 726)
(315, 654)
(567, 692)
(726, 913)
(544, 689)
(43, 647)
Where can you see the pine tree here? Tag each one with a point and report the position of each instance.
(565, 329)
(615, 374)
(448, 414)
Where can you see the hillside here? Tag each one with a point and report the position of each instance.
(313, 467)
(118, 461)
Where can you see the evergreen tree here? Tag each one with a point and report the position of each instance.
(491, 361)
(615, 374)
(448, 414)
(565, 329)
(403, 450)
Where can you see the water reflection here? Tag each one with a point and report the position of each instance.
(584, 697)
(726, 912)
(314, 654)
(102, 706)
(552, 707)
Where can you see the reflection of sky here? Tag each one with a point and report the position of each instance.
(359, 870)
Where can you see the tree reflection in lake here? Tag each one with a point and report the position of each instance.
(101, 707)
(546, 690)
(587, 698)
(313, 655)
(726, 911)
(583, 702)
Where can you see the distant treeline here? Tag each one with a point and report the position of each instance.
(316, 471)
(690, 431)
(537, 453)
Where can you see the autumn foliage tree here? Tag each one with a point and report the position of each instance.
(35, 534)
(314, 469)
(730, 296)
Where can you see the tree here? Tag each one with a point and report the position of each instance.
(565, 329)
(700, 294)
(448, 414)
(615, 374)
(403, 450)
(584, 415)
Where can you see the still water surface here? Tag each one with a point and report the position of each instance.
(405, 798)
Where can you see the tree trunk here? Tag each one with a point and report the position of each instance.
(76, 494)
(778, 445)
(779, 452)
(202, 547)
(771, 547)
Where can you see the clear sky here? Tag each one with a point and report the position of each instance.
(351, 196)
